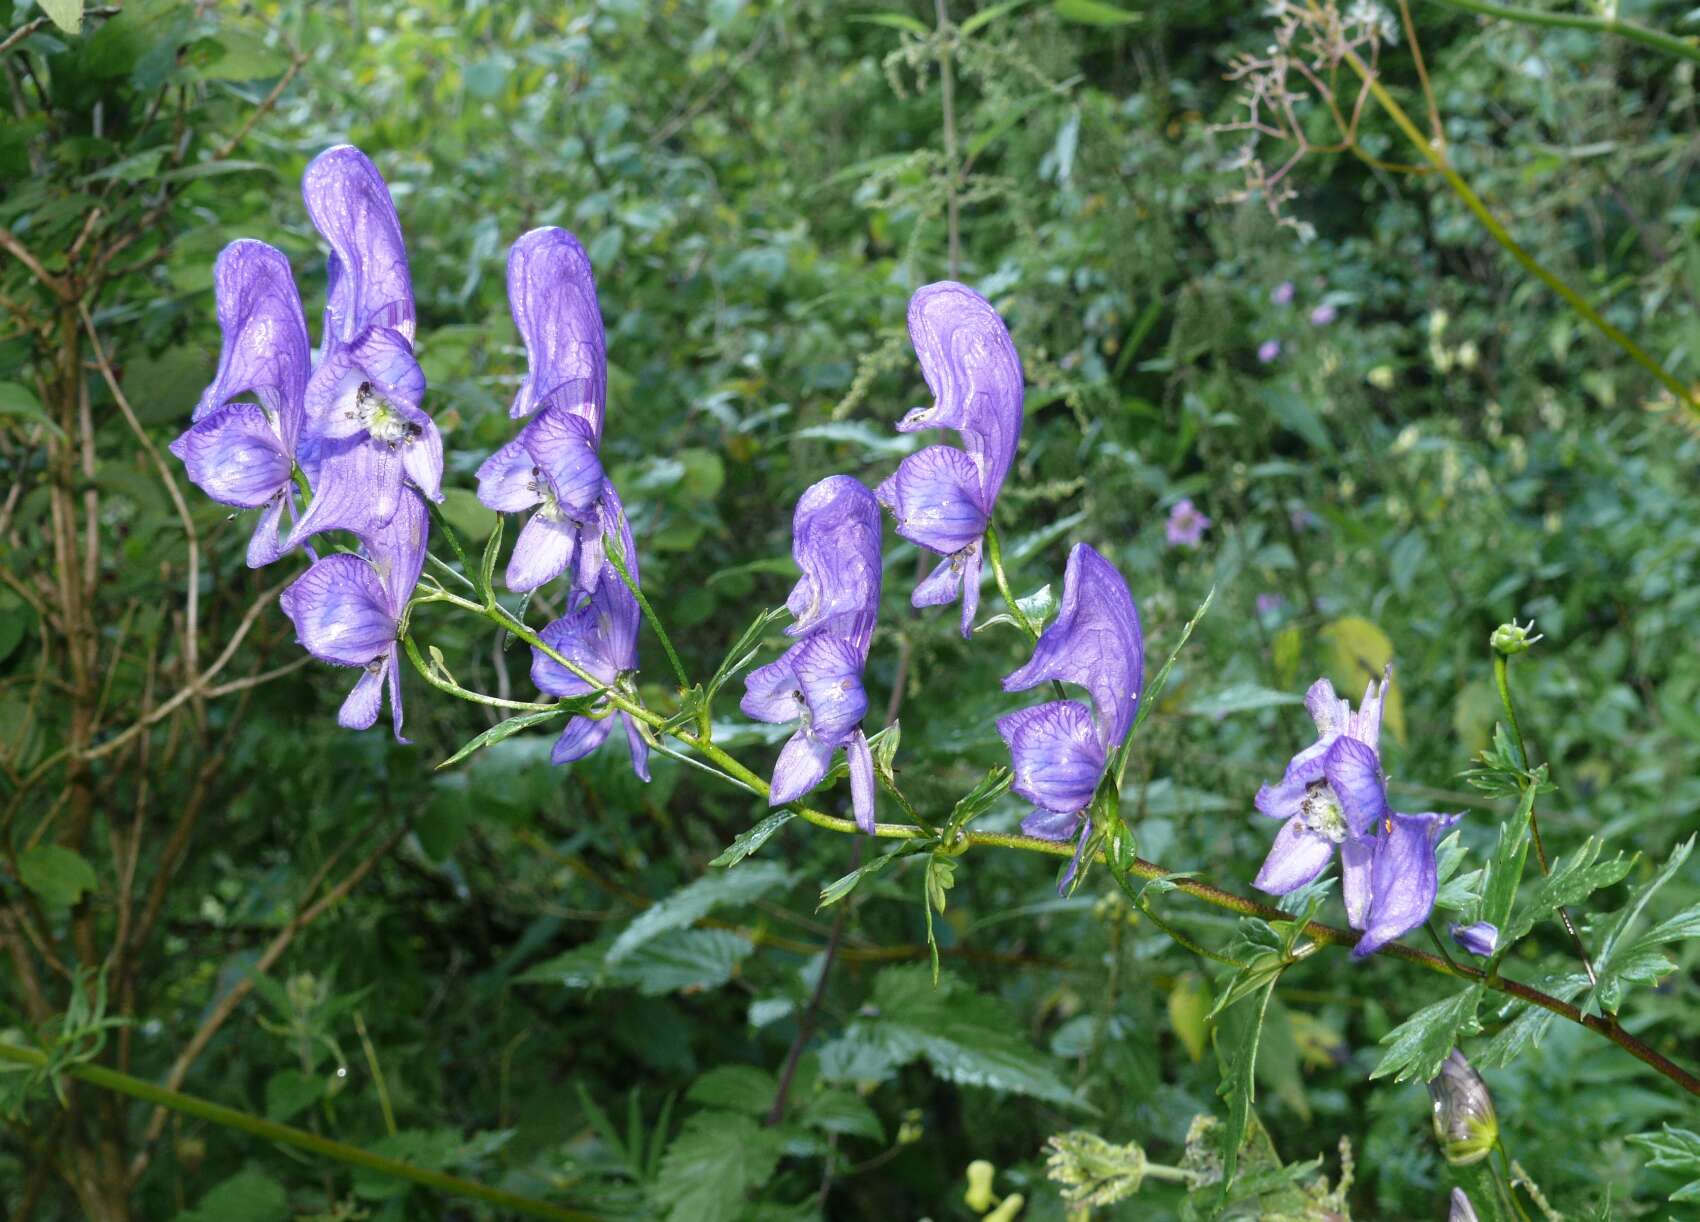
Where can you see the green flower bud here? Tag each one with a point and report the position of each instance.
(1464, 1121)
(979, 1195)
(1008, 1209)
(1513, 638)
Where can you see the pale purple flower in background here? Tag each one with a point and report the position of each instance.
(1186, 524)
(835, 538)
(347, 609)
(241, 453)
(552, 466)
(1479, 939)
(1268, 350)
(365, 433)
(1460, 1209)
(941, 496)
(1060, 749)
(1302, 518)
(1269, 604)
(1323, 315)
(600, 638)
(1282, 294)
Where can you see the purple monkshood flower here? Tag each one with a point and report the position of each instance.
(600, 638)
(1333, 793)
(1060, 749)
(552, 465)
(241, 453)
(366, 435)
(1479, 939)
(346, 609)
(1186, 524)
(1282, 294)
(941, 496)
(1269, 604)
(1323, 315)
(1268, 350)
(835, 538)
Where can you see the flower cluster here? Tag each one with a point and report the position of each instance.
(942, 496)
(1334, 794)
(348, 425)
(341, 443)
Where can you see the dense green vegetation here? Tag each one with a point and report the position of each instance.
(533, 978)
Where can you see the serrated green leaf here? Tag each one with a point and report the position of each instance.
(697, 899)
(682, 959)
(743, 650)
(738, 1088)
(1618, 963)
(750, 840)
(1674, 1149)
(1574, 878)
(1239, 1086)
(247, 1196)
(19, 402)
(1504, 870)
(1417, 1046)
(1530, 1024)
(839, 1111)
(711, 1166)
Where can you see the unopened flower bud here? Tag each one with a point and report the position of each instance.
(1479, 939)
(1006, 1211)
(1464, 1120)
(979, 1195)
(1513, 638)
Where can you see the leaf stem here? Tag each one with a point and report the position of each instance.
(268, 1130)
(1670, 44)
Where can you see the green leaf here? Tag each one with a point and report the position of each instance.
(66, 14)
(978, 800)
(507, 729)
(56, 874)
(1095, 12)
(1359, 651)
(247, 1196)
(1573, 879)
(1240, 698)
(964, 1036)
(1505, 867)
(895, 21)
(839, 1111)
(750, 840)
(1526, 1029)
(738, 1088)
(683, 959)
(717, 1159)
(19, 401)
(244, 56)
(1293, 412)
(1239, 1085)
(988, 15)
(289, 1092)
(688, 904)
(471, 518)
(841, 887)
(1617, 965)
(743, 650)
(1154, 689)
(1674, 1150)
(1417, 1046)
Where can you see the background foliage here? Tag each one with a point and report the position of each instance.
(532, 977)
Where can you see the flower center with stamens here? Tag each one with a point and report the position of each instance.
(379, 417)
(1320, 810)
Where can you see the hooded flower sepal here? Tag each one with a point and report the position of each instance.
(552, 466)
(816, 683)
(835, 540)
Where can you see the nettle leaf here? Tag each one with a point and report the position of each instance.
(964, 1036)
(56, 874)
(1417, 1046)
(1573, 879)
(682, 959)
(713, 1164)
(844, 1113)
(1674, 1150)
(750, 840)
(1620, 963)
(696, 900)
(1455, 892)
(738, 1088)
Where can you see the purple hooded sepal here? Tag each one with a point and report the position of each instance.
(818, 683)
(236, 457)
(835, 539)
(1050, 825)
(369, 283)
(1094, 642)
(346, 610)
(552, 294)
(265, 351)
(1403, 879)
(1481, 938)
(600, 639)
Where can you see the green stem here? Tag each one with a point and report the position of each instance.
(1500, 234)
(1322, 934)
(1502, 681)
(1670, 44)
(994, 553)
(268, 1130)
(454, 689)
(654, 620)
(454, 539)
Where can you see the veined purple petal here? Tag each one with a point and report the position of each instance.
(1331, 714)
(600, 638)
(636, 747)
(1479, 939)
(365, 699)
(971, 366)
(236, 456)
(1403, 879)
(422, 453)
(935, 498)
(1281, 800)
(1051, 824)
(265, 350)
(1297, 856)
(582, 736)
(543, 551)
(350, 204)
(862, 784)
(802, 762)
(829, 674)
(265, 544)
(835, 538)
(1095, 642)
(1357, 862)
(340, 611)
(393, 666)
(397, 549)
(356, 486)
(773, 693)
(384, 356)
(507, 480)
(563, 449)
(1056, 754)
(950, 577)
(1365, 724)
(552, 294)
(1354, 773)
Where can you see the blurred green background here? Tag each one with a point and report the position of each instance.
(1435, 445)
